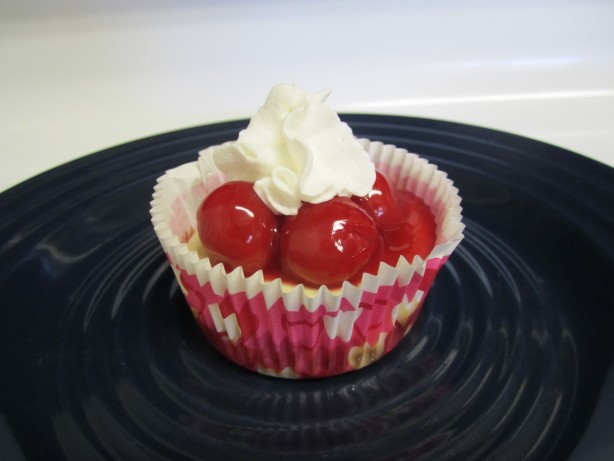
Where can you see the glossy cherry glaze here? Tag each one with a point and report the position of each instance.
(416, 234)
(325, 243)
(237, 228)
(328, 243)
(382, 203)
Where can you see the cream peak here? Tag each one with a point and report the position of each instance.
(295, 149)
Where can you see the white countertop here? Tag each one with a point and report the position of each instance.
(79, 77)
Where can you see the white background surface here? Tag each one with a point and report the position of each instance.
(77, 76)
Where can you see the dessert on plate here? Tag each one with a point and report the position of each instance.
(302, 251)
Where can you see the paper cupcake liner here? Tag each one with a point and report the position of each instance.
(295, 331)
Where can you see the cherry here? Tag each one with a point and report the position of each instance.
(381, 203)
(237, 228)
(416, 236)
(328, 243)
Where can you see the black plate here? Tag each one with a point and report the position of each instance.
(509, 360)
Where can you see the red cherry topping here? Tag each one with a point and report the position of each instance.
(328, 243)
(416, 236)
(381, 203)
(325, 244)
(237, 228)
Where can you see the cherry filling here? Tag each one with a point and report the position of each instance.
(382, 204)
(328, 243)
(236, 227)
(325, 243)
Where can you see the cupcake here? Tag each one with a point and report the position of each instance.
(302, 251)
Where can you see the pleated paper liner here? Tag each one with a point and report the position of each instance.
(295, 331)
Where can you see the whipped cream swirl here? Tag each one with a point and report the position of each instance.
(295, 149)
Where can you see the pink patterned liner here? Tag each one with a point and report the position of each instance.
(297, 332)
